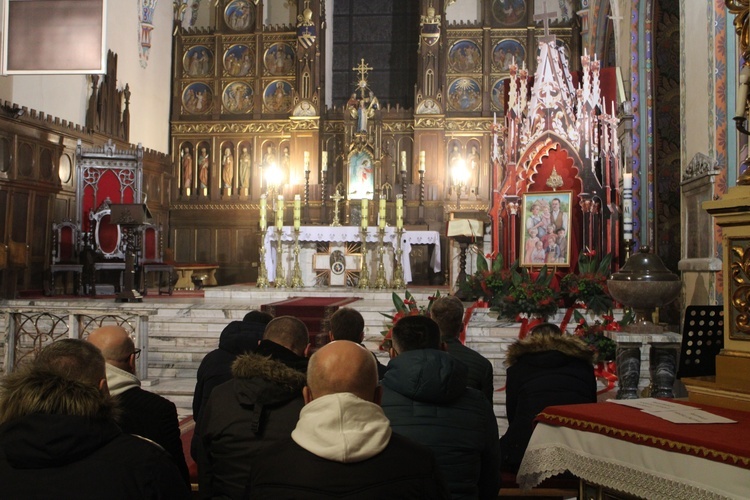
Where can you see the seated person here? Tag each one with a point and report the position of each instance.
(546, 368)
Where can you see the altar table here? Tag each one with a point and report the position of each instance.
(342, 234)
(185, 275)
(630, 451)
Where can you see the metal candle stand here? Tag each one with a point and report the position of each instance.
(380, 281)
(306, 213)
(280, 281)
(398, 271)
(364, 274)
(421, 198)
(323, 206)
(297, 273)
(262, 272)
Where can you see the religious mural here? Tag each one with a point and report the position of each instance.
(237, 98)
(361, 178)
(198, 61)
(197, 98)
(238, 60)
(279, 59)
(508, 13)
(498, 95)
(277, 97)
(464, 94)
(505, 53)
(465, 56)
(239, 15)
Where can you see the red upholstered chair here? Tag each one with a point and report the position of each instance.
(65, 254)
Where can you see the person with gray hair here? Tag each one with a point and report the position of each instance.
(343, 445)
(448, 313)
(59, 438)
(255, 410)
(141, 412)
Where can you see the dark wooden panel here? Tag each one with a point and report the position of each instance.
(39, 227)
(203, 246)
(183, 244)
(19, 216)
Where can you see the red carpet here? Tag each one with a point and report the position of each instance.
(315, 312)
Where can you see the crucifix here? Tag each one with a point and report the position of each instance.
(362, 69)
(546, 18)
(336, 199)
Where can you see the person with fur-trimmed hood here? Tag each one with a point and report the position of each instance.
(258, 408)
(546, 368)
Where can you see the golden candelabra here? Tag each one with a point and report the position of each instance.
(380, 281)
(364, 273)
(297, 273)
(262, 272)
(280, 281)
(398, 270)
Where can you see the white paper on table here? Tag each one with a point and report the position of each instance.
(673, 412)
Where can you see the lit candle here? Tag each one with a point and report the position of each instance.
(399, 211)
(297, 210)
(627, 180)
(403, 161)
(280, 212)
(381, 213)
(306, 160)
(324, 161)
(263, 205)
(364, 215)
(421, 161)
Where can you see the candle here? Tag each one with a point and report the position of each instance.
(297, 210)
(403, 161)
(381, 213)
(627, 180)
(280, 212)
(364, 214)
(306, 160)
(263, 205)
(324, 161)
(421, 161)
(399, 211)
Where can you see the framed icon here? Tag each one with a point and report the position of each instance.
(546, 225)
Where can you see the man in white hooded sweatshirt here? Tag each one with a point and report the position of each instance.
(342, 445)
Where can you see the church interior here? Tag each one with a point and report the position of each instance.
(223, 155)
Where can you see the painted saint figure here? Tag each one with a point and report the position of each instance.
(187, 168)
(245, 164)
(227, 169)
(203, 167)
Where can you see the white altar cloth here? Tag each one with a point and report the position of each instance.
(342, 234)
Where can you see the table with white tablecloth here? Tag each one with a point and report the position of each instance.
(310, 235)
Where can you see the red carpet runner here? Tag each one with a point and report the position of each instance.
(315, 312)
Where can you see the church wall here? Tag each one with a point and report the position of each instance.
(464, 10)
(695, 121)
(65, 96)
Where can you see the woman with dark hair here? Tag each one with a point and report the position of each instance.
(546, 368)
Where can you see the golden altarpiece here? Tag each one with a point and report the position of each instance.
(249, 119)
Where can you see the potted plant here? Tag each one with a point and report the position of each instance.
(404, 307)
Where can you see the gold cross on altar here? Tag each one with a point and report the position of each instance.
(362, 69)
(546, 18)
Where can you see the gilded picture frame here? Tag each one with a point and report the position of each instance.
(545, 229)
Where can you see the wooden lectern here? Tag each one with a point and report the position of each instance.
(130, 217)
(464, 232)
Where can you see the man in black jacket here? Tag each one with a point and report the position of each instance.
(342, 446)
(141, 412)
(348, 324)
(238, 337)
(255, 410)
(59, 439)
(448, 313)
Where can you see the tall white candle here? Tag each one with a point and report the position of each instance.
(399, 211)
(364, 215)
(280, 212)
(627, 180)
(403, 161)
(306, 161)
(421, 161)
(324, 161)
(381, 213)
(263, 206)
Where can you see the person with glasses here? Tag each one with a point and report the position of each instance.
(143, 413)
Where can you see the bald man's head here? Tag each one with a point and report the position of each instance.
(116, 346)
(342, 366)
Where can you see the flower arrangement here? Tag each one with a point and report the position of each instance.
(526, 297)
(605, 348)
(404, 307)
(487, 282)
(589, 287)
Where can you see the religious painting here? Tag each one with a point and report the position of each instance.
(238, 60)
(279, 59)
(507, 52)
(277, 97)
(361, 175)
(237, 98)
(198, 61)
(497, 95)
(509, 12)
(545, 230)
(464, 94)
(238, 15)
(197, 98)
(465, 56)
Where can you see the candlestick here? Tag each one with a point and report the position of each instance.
(324, 161)
(263, 207)
(297, 211)
(306, 160)
(399, 212)
(280, 213)
(262, 281)
(381, 213)
(364, 215)
(421, 161)
(403, 161)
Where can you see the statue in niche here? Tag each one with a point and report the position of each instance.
(187, 168)
(246, 162)
(285, 160)
(204, 164)
(473, 163)
(227, 168)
